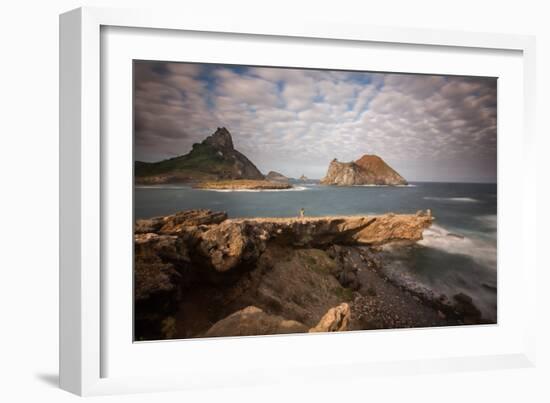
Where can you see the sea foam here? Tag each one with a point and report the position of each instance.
(453, 199)
(481, 250)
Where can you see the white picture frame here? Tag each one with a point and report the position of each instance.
(85, 344)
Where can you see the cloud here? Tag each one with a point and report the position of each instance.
(296, 121)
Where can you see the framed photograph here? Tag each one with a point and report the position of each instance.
(237, 200)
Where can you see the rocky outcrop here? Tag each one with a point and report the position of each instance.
(335, 320)
(252, 321)
(197, 267)
(368, 170)
(297, 284)
(215, 158)
(198, 273)
(276, 176)
(227, 243)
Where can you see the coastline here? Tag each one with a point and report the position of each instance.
(201, 274)
(242, 184)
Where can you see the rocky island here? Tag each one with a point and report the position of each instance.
(368, 170)
(214, 163)
(199, 273)
(276, 176)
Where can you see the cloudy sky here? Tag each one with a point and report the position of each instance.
(295, 121)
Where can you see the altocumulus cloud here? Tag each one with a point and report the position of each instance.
(296, 121)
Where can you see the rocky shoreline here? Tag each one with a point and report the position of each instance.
(243, 184)
(199, 273)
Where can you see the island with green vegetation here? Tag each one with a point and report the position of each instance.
(212, 164)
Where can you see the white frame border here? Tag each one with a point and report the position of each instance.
(80, 184)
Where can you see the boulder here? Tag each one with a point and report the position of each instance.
(335, 320)
(252, 321)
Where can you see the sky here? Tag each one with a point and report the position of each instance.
(295, 121)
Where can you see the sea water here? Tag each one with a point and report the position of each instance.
(457, 254)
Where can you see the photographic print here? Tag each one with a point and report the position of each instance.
(272, 200)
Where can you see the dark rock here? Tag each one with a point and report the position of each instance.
(276, 176)
(465, 307)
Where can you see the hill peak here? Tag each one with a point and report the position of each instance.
(213, 159)
(220, 139)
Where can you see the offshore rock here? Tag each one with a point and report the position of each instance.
(276, 176)
(368, 170)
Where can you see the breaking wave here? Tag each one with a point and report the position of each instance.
(453, 199)
(481, 250)
(488, 221)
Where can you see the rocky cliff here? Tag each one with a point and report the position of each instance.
(215, 158)
(195, 270)
(368, 170)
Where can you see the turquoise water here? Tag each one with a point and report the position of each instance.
(458, 253)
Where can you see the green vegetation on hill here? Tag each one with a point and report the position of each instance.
(203, 158)
(213, 159)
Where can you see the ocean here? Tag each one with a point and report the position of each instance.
(458, 252)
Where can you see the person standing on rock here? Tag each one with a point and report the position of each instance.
(302, 212)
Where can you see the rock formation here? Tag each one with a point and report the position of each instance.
(276, 176)
(225, 243)
(194, 268)
(335, 320)
(253, 321)
(215, 158)
(368, 170)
